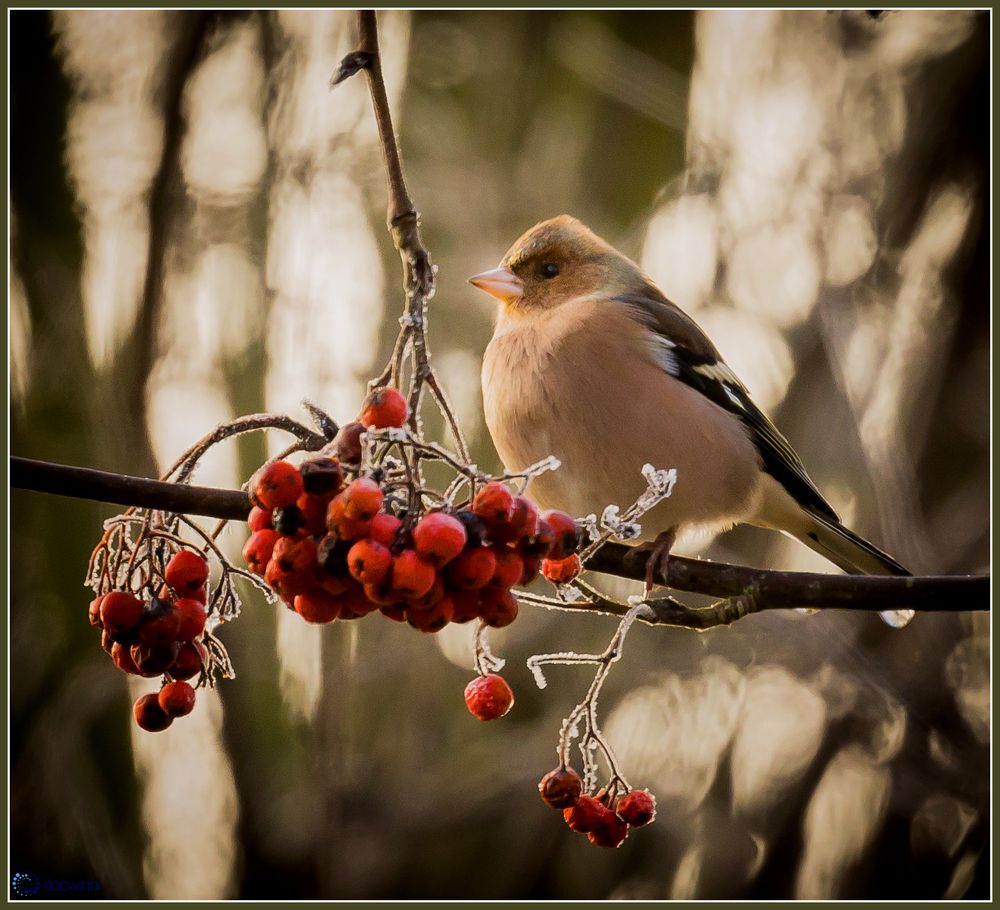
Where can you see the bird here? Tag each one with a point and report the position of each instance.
(591, 363)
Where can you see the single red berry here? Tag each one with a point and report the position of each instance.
(500, 609)
(312, 508)
(120, 611)
(561, 571)
(94, 612)
(321, 476)
(383, 594)
(149, 715)
(510, 567)
(122, 657)
(494, 503)
(191, 657)
(412, 577)
(199, 594)
(384, 528)
(384, 408)
(439, 538)
(192, 616)
(259, 519)
(161, 623)
(567, 534)
(296, 555)
(354, 603)
(369, 562)
(532, 566)
(489, 697)
(362, 499)
(539, 543)
(524, 521)
(432, 619)
(609, 831)
(186, 571)
(177, 698)
(257, 550)
(334, 584)
(465, 605)
(585, 814)
(472, 568)
(395, 611)
(636, 808)
(347, 442)
(277, 485)
(560, 788)
(426, 601)
(317, 606)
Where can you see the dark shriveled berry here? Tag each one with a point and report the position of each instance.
(560, 788)
(323, 476)
(287, 520)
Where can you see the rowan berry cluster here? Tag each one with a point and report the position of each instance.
(159, 633)
(336, 540)
(603, 817)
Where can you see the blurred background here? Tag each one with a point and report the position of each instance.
(197, 231)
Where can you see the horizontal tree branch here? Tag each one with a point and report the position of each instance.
(768, 589)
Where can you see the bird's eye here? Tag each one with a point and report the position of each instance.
(549, 270)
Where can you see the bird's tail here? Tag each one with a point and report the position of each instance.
(854, 554)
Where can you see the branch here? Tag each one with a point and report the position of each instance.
(749, 589)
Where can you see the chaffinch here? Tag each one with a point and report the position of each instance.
(591, 363)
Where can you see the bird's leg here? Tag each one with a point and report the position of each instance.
(659, 559)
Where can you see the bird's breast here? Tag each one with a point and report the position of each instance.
(580, 383)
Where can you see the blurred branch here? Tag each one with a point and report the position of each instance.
(747, 590)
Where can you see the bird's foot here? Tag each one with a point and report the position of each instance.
(659, 559)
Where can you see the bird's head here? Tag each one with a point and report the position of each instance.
(554, 262)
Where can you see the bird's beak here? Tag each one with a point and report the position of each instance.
(500, 283)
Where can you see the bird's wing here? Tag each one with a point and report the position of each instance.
(686, 353)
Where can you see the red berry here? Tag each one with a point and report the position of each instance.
(161, 623)
(472, 568)
(497, 606)
(122, 657)
(334, 584)
(257, 550)
(412, 577)
(539, 543)
(259, 519)
(355, 603)
(561, 571)
(192, 616)
(524, 521)
(312, 508)
(362, 499)
(432, 619)
(94, 612)
(277, 485)
(384, 408)
(636, 808)
(439, 538)
(510, 567)
(465, 605)
(369, 562)
(317, 606)
(609, 830)
(191, 656)
(296, 555)
(532, 565)
(199, 594)
(384, 528)
(149, 715)
(321, 476)
(347, 442)
(383, 595)
(120, 611)
(186, 571)
(566, 531)
(396, 612)
(560, 788)
(494, 503)
(426, 601)
(489, 697)
(584, 815)
(176, 698)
